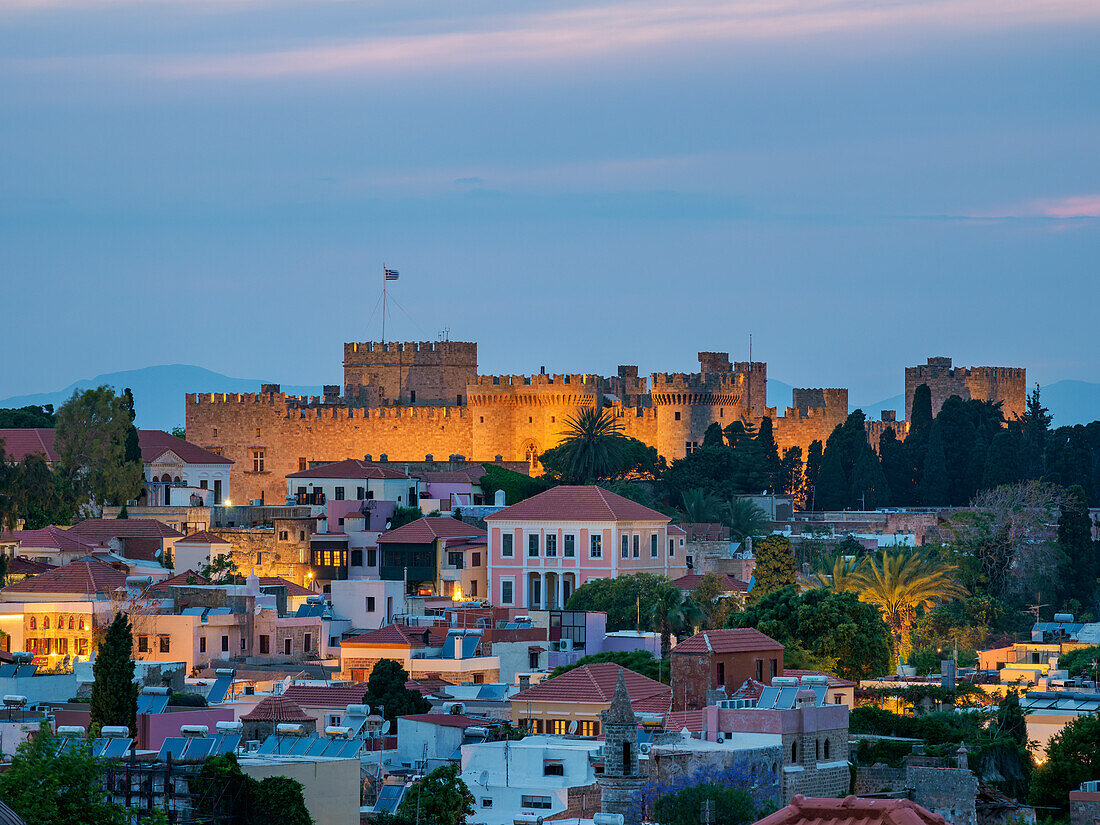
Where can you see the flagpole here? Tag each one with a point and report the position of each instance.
(383, 303)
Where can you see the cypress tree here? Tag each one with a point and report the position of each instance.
(869, 488)
(957, 433)
(768, 452)
(935, 486)
(1002, 461)
(812, 472)
(1075, 540)
(1036, 427)
(114, 692)
(713, 436)
(920, 415)
(896, 469)
(133, 448)
(832, 484)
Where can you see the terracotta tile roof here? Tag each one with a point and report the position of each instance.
(124, 528)
(727, 641)
(279, 708)
(428, 529)
(153, 444)
(180, 579)
(141, 549)
(52, 537)
(471, 475)
(292, 589)
(202, 537)
(678, 720)
(391, 634)
(350, 468)
(328, 696)
(426, 686)
(21, 566)
(852, 810)
(449, 720)
(580, 503)
(691, 581)
(86, 576)
(676, 530)
(596, 684)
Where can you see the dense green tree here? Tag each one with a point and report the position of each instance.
(640, 661)
(1070, 460)
(699, 506)
(713, 436)
(790, 473)
(626, 600)
(775, 566)
(744, 518)
(386, 688)
(869, 487)
(827, 624)
(674, 611)
(1082, 662)
(920, 415)
(133, 448)
(516, 486)
(49, 785)
(1082, 554)
(738, 434)
(766, 453)
(179, 432)
(90, 440)
(897, 469)
(837, 572)
(440, 798)
(1073, 757)
(811, 473)
(30, 417)
(41, 496)
(1002, 462)
(935, 485)
(714, 470)
(1034, 427)
(731, 805)
(114, 691)
(955, 429)
(591, 448)
(279, 800)
(831, 491)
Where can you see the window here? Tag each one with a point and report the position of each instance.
(244, 643)
(225, 643)
(284, 535)
(653, 546)
(473, 587)
(760, 670)
(307, 643)
(80, 624)
(475, 560)
(165, 644)
(412, 396)
(637, 542)
(817, 750)
(204, 484)
(486, 802)
(372, 557)
(62, 647)
(690, 447)
(676, 415)
(456, 559)
(360, 493)
(265, 644)
(534, 801)
(215, 432)
(671, 548)
(551, 545)
(569, 546)
(357, 558)
(794, 753)
(506, 591)
(775, 668)
(143, 644)
(302, 465)
(624, 550)
(533, 544)
(554, 767)
(595, 548)
(370, 604)
(286, 647)
(46, 623)
(34, 623)
(339, 494)
(506, 544)
(589, 728)
(838, 700)
(334, 720)
(688, 562)
(257, 459)
(826, 748)
(721, 673)
(202, 644)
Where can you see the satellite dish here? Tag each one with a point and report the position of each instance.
(386, 726)
(572, 727)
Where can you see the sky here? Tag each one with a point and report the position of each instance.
(859, 184)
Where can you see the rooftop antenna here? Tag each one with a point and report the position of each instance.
(1034, 609)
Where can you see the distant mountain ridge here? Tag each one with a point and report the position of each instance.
(158, 391)
(159, 394)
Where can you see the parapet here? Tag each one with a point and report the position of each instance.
(807, 398)
(714, 362)
(574, 380)
(361, 348)
(939, 361)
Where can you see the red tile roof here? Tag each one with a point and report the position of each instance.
(428, 529)
(471, 475)
(21, 566)
(202, 537)
(180, 579)
(449, 720)
(691, 581)
(596, 684)
(580, 503)
(328, 696)
(678, 720)
(350, 468)
(676, 530)
(153, 444)
(852, 810)
(277, 708)
(52, 537)
(292, 589)
(391, 634)
(86, 576)
(124, 528)
(426, 685)
(727, 641)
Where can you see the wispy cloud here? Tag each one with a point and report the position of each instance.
(582, 32)
(1076, 206)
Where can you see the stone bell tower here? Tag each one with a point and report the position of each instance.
(621, 781)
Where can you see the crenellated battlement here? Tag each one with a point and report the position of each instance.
(810, 398)
(465, 349)
(505, 382)
(1006, 385)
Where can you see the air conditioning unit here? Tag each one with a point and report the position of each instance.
(736, 704)
(1092, 786)
(565, 644)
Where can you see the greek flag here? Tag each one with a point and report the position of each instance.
(391, 274)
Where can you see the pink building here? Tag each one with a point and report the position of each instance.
(547, 546)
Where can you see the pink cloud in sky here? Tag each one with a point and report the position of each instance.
(1076, 206)
(583, 32)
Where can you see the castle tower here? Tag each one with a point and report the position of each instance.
(412, 372)
(621, 781)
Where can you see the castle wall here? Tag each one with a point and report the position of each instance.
(1005, 384)
(420, 372)
(815, 414)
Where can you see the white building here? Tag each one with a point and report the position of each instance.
(529, 778)
(353, 480)
(368, 603)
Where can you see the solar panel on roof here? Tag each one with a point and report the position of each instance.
(786, 698)
(389, 798)
(317, 747)
(228, 744)
(270, 745)
(98, 747)
(351, 749)
(117, 748)
(469, 645)
(174, 746)
(8, 670)
(768, 697)
(25, 670)
(198, 749)
(300, 747)
(218, 690)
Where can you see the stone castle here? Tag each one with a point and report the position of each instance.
(409, 400)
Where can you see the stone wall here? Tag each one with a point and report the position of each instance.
(414, 372)
(949, 792)
(819, 766)
(879, 778)
(1084, 807)
(264, 550)
(1005, 384)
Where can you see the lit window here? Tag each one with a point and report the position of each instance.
(595, 549)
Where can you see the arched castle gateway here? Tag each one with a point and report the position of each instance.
(409, 400)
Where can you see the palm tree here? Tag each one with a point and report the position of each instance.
(699, 506)
(674, 612)
(744, 518)
(591, 448)
(838, 573)
(900, 582)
